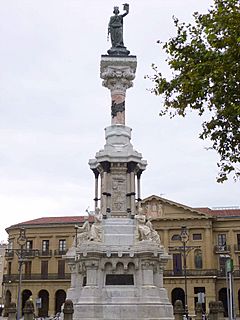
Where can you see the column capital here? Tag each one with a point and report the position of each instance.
(118, 72)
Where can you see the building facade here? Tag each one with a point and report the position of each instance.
(45, 277)
(197, 267)
(3, 247)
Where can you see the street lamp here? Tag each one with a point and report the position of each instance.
(184, 250)
(22, 241)
(184, 236)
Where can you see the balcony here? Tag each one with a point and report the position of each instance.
(9, 253)
(30, 253)
(190, 272)
(200, 273)
(45, 253)
(222, 248)
(237, 247)
(58, 252)
(35, 277)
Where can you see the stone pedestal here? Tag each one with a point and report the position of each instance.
(120, 278)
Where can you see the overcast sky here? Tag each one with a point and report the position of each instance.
(53, 109)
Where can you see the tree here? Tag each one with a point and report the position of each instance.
(205, 60)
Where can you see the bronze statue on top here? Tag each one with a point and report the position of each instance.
(115, 29)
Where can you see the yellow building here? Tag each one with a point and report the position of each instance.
(3, 247)
(45, 275)
(200, 241)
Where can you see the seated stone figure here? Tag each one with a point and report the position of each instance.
(83, 232)
(143, 231)
(96, 228)
(154, 234)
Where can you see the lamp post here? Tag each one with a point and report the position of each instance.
(184, 236)
(21, 240)
(184, 249)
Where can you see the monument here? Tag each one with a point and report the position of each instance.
(117, 262)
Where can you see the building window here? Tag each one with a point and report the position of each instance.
(197, 236)
(61, 269)
(200, 292)
(28, 269)
(45, 245)
(177, 263)
(29, 245)
(238, 241)
(44, 269)
(62, 245)
(222, 241)
(9, 269)
(10, 245)
(222, 264)
(176, 237)
(198, 259)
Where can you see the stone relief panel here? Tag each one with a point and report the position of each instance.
(154, 210)
(119, 187)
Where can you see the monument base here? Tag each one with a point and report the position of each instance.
(120, 277)
(123, 312)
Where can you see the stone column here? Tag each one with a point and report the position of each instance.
(96, 174)
(118, 73)
(208, 253)
(104, 187)
(132, 194)
(128, 195)
(139, 173)
(165, 238)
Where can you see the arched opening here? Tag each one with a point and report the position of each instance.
(44, 296)
(131, 267)
(8, 299)
(108, 266)
(198, 259)
(222, 296)
(178, 294)
(60, 297)
(26, 294)
(119, 268)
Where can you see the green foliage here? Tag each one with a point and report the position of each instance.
(205, 61)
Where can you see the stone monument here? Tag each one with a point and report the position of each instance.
(117, 262)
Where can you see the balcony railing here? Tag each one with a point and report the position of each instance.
(237, 247)
(36, 276)
(190, 272)
(222, 248)
(31, 253)
(45, 253)
(9, 253)
(58, 252)
(26, 253)
(200, 273)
